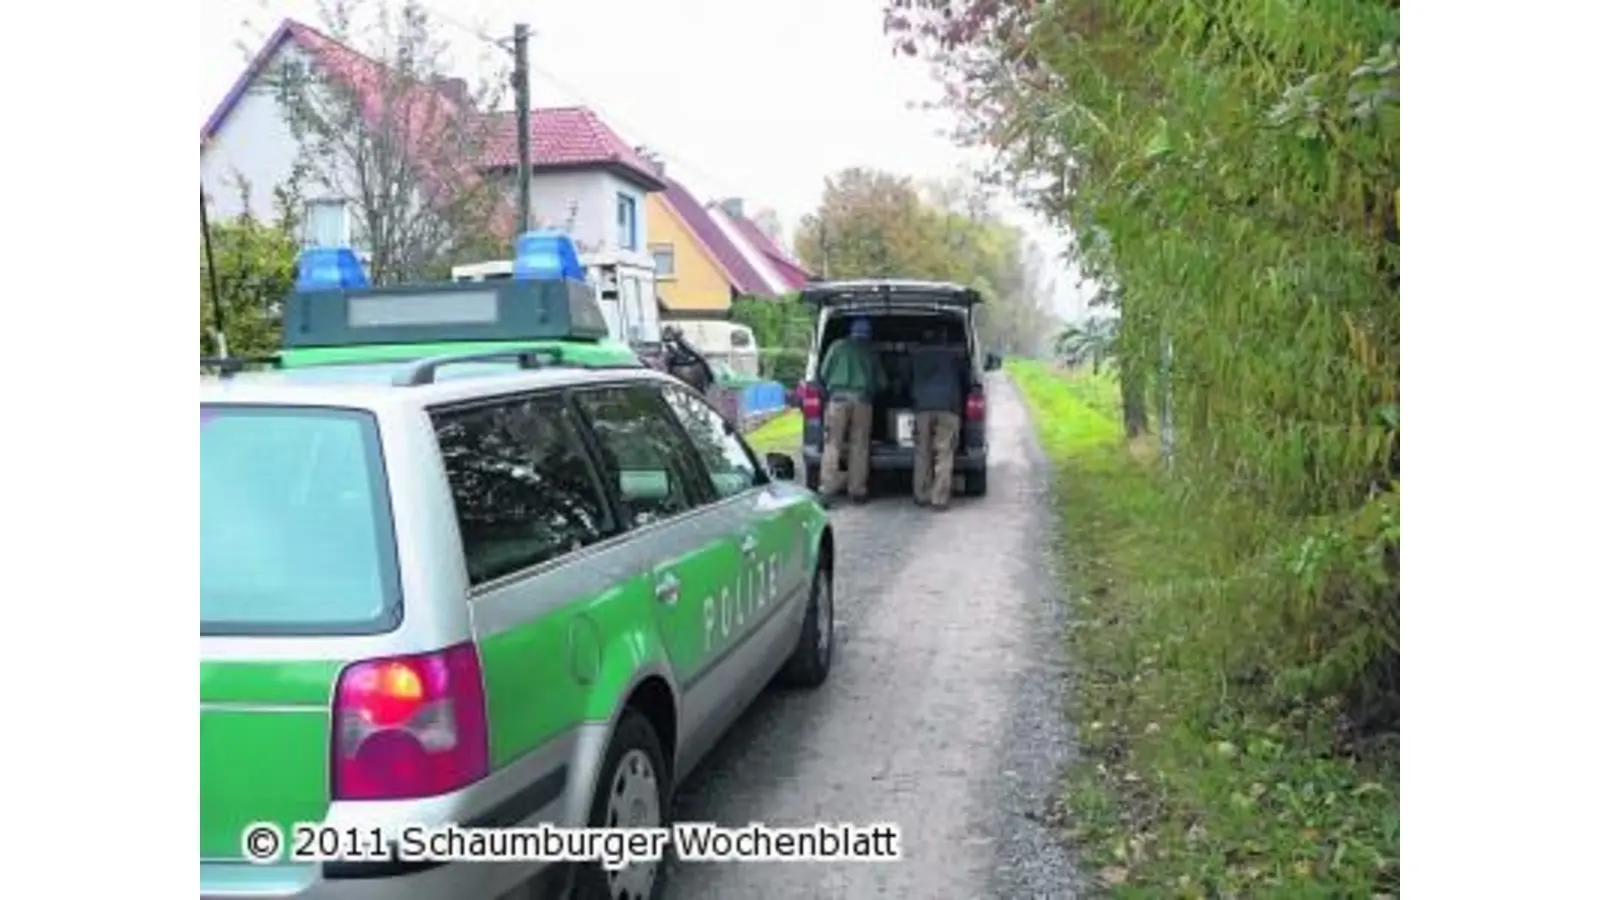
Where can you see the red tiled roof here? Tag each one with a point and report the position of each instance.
(565, 136)
(561, 137)
(740, 274)
(794, 275)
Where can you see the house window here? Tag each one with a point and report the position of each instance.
(627, 223)
(327, 223)
(666, 263)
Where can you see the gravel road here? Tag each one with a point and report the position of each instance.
(943, 712)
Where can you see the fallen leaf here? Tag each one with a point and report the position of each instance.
(1114, 875)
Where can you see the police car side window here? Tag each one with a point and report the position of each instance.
(525, 490)
(733, 470)
(640, 452)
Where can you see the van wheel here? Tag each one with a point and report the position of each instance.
(633, 791)
(813, 477)
(978, 482)
(808, 665)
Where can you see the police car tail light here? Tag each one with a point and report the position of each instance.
(410, 726)
(810, 400)
(976, 406)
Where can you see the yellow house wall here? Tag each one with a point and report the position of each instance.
(697, 285)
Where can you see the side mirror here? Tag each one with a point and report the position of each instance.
(781, 466)
(991, 361)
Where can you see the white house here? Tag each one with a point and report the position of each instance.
(586, 178)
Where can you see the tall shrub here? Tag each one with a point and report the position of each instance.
(1233, 168)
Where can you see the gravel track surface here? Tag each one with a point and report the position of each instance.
(943, 712)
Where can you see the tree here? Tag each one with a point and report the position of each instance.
(1036, 318)
(255, 272)
(878, 224)
(1230, 171)
(1087, 341)
(398, 139)
(866, 226)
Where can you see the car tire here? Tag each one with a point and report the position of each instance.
(813, 477)
(635, 746)
(977, 482)
(812, 658)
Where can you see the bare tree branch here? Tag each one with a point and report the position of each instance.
(389, 131)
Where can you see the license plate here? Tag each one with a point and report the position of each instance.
(905, 429)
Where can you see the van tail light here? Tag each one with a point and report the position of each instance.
(410, 726)
(810, 395)
(977, 407)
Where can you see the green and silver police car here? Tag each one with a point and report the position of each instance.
(529, 583)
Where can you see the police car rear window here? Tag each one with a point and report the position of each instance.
(295, 529)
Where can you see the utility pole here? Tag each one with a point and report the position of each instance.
(519, 83)
(211, 270)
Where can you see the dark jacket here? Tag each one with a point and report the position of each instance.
(686, 364)
(938, 379)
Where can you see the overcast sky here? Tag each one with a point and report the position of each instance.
(758, 99)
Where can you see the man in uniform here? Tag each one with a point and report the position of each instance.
(938, 388)
(851, 374)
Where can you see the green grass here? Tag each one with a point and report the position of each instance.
(1193, 781)
(1069, 416)
(780, 434)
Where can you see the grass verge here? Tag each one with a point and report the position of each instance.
(1201, 774)
(780, 434)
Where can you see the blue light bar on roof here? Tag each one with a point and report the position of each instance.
(546, 255)
(326, 268)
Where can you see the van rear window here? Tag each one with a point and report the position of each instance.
(296, 535)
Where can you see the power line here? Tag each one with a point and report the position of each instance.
(475, 31)
(506, 44)
(638, 135)
(611, 119)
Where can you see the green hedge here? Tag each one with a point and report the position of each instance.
(785, 365)
(776, 321)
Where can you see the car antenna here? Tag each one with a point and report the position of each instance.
(211, 270)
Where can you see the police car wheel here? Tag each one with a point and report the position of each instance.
(633, 791)
(812, 658)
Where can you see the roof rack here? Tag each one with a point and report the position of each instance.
(425, 371)
(227, 366)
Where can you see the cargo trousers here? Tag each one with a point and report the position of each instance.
(847, 419)
(935, 457)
